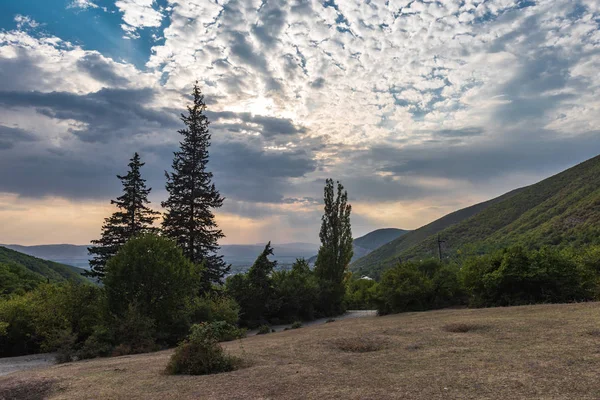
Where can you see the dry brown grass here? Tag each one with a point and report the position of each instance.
(463, 327)
(531, 352)
(358, 344)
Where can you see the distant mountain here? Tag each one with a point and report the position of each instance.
(365, 244)
(70, 254)
(21, 270)
(374, 240)
(562, 210)
(240, 256)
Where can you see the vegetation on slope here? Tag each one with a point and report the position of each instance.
(562, 210)
(373, 240)
(22, 272)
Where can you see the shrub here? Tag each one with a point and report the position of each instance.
(514, 276)
(296, 325)
(43, 319)
(214, 307)
(134, 332)
(404, 288)
(18, 335)
(263, 330)
(221, 331)
(418, 286)
(99, 344)
(296, 293)
(361, 294)
(200, 354)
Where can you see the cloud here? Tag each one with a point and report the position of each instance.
(24, 21)
(102, 115)
(11, 136)
(138, 14)
(419, 107)
(82, 4)
(266, 126)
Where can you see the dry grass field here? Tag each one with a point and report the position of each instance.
(531, 352)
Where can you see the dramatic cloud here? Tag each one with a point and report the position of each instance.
(418, 107)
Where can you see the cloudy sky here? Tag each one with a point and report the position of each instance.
(419, 107)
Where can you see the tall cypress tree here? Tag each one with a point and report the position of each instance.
(189, 218)
(133, 217)
(336, 251)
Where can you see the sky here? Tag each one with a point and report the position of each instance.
(418, 107)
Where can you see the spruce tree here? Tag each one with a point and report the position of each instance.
(189, 218)
(336, 251)
(132, 218)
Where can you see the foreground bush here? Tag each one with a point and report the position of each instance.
(200, 354)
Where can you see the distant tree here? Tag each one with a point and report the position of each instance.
(189, 218)
(336, 251)
(132, 218)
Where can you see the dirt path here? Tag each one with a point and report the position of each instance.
(12, 364)
(350, 314)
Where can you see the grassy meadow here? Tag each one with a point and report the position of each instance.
(526, 352)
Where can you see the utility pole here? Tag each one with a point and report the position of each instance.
(440, 246)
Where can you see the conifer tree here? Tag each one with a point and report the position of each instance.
(132, 218)
(189, 218)
(336, 251)
(254, 291)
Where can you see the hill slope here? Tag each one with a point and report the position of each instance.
(27, 271)
(561, 210)
(366, 244)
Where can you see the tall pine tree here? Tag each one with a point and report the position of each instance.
(336, 251)
(133, 217)
(189, 218)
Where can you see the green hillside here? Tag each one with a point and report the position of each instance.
(561, 210)
(20, 271)
(378, 238)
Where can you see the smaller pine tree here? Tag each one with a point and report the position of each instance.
(132, 218)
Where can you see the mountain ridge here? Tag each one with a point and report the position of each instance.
(559, 210)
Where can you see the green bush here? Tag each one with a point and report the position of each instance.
(296, 325)
(361, 294)
(43, 319)
(18, 335)
(296, 293)
(221, 331)
(515, 276)
(214, 307)
(418, 286)
(200, 354)
(263, 330)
